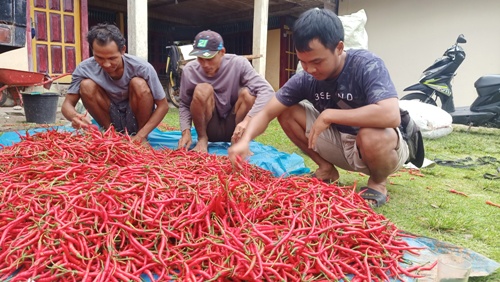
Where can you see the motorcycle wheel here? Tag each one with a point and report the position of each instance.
(172, 95)
(419, 97)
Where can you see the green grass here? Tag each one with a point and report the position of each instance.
(423, 205)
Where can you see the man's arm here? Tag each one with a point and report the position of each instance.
(257, 85)
(155, 119)
(383, 114)
(68, 109)
(149, 74)
(185, 118)
(256, 127)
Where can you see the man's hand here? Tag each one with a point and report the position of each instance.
(318, 126)
(186, 140)
(239, 130)
(80, 121)
(238, 151)
(140, 139)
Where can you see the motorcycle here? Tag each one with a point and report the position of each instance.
(435, 86)
(177, 58)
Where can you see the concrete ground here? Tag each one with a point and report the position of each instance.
(13, 118)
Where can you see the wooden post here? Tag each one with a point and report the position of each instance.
(260, 19)
(137, 11)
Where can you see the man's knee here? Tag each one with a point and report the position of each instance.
(88, 87)
(139, 87)
(246, 97)
(377, 139)
(284, 117)
(292, 115)
(203, 95)
(203, 91)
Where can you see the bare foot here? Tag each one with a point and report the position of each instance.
(201, 145)
(329, 174)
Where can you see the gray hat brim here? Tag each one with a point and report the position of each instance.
(205, 54)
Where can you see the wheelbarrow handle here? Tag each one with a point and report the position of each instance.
(52, 78)
(47, 81)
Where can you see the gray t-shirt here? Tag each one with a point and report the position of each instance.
(364, 80)
(234, 73)
(117, 90)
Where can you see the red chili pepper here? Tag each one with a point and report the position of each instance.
(458, 192)
(492, 204)
(111, 210)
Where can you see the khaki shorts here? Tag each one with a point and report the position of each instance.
(340, 149)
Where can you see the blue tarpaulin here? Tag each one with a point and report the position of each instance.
(284, 164)
(264, 156)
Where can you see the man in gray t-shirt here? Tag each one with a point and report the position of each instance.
(116, 88)
(219, 93)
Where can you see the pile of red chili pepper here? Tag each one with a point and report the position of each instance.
(94, 206)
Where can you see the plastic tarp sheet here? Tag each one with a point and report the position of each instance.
(264, 156)
(283, 164)
(432, 248)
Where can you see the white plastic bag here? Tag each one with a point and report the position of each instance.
(355, 35)
(433, 121)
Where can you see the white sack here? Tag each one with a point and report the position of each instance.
(433, 121)
(355, 35)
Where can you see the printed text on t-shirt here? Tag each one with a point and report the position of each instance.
(328, 96)
(322, 96)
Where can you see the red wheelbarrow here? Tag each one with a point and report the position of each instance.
(16, 79)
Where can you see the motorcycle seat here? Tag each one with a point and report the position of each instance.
(487, 80)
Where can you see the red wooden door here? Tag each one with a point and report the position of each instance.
(56, 46)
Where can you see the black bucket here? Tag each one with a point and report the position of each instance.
(40, 108)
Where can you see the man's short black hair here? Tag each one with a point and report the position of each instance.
(321, 24)
(104, 33)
